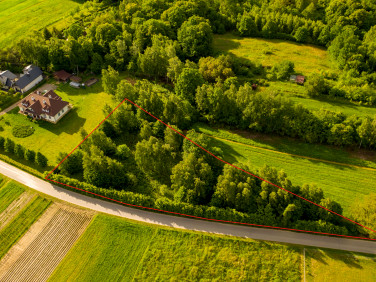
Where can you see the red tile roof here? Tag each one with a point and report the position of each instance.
(43, 103)
(62, 75)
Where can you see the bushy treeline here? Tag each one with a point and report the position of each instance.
(242, 107)
(10, 147)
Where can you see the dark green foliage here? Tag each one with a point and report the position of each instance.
(41, 160)
(283, 70)
(9, 146)
(19, 151)
(316, 85)
(195, 37)
(29, 155)
(187, 83)
(72, 164)
(123, 152)
(22, 131)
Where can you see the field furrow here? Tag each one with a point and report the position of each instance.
(45, 245)
(14, 208)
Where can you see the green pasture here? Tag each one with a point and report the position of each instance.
(114, 249)
(20, 17)
(341, 183)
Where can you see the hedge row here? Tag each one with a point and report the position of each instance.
(189, 209)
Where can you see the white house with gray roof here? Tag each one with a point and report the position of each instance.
(31, 76)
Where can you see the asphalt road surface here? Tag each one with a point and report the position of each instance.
(363, 246)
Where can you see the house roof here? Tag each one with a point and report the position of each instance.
(300, 78)
(8, 74)
(32, 72)
(62, 75)
(76, 78)
(48, 103)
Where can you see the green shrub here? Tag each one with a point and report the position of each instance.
(22, 131)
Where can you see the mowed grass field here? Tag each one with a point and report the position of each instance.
(20, 17)
(307, 58)
(114, 249)
(51, 139)
(342, 183)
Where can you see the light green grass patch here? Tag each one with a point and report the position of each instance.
(15, 229)
(8, 193)
(50, 139)
(336, 266)
(114, 249)
(307, 58)
(20, 17)
(109, 250)
(340, 183)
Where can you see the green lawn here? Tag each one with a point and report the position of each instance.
(21, 223)
(336, 266)
(114, 249)
(307, 58)
(20, 17)
(340, 183)
(8, 193)
(50, 139)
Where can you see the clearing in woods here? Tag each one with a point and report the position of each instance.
(46, 243)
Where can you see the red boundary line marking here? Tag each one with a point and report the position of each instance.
(198, 217)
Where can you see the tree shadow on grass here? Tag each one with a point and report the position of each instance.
(322, 256)
(71, 123)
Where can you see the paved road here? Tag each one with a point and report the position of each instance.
(3, 112)
(363, 246)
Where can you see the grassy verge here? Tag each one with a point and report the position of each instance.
(114, 249)
(21, 223)
(8, 193)
(340, 183)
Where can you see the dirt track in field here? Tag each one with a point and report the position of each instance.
(41, 249)
(14, 208)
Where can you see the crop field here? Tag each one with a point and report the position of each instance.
(339, 182)
(18, 17)
(21, 223)
(114, 249)
(51, 139)
(8, 193)
(307, 58)
(45, 245)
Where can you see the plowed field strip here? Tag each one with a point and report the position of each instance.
(48, 248)
(14, 208)
(8, 193)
